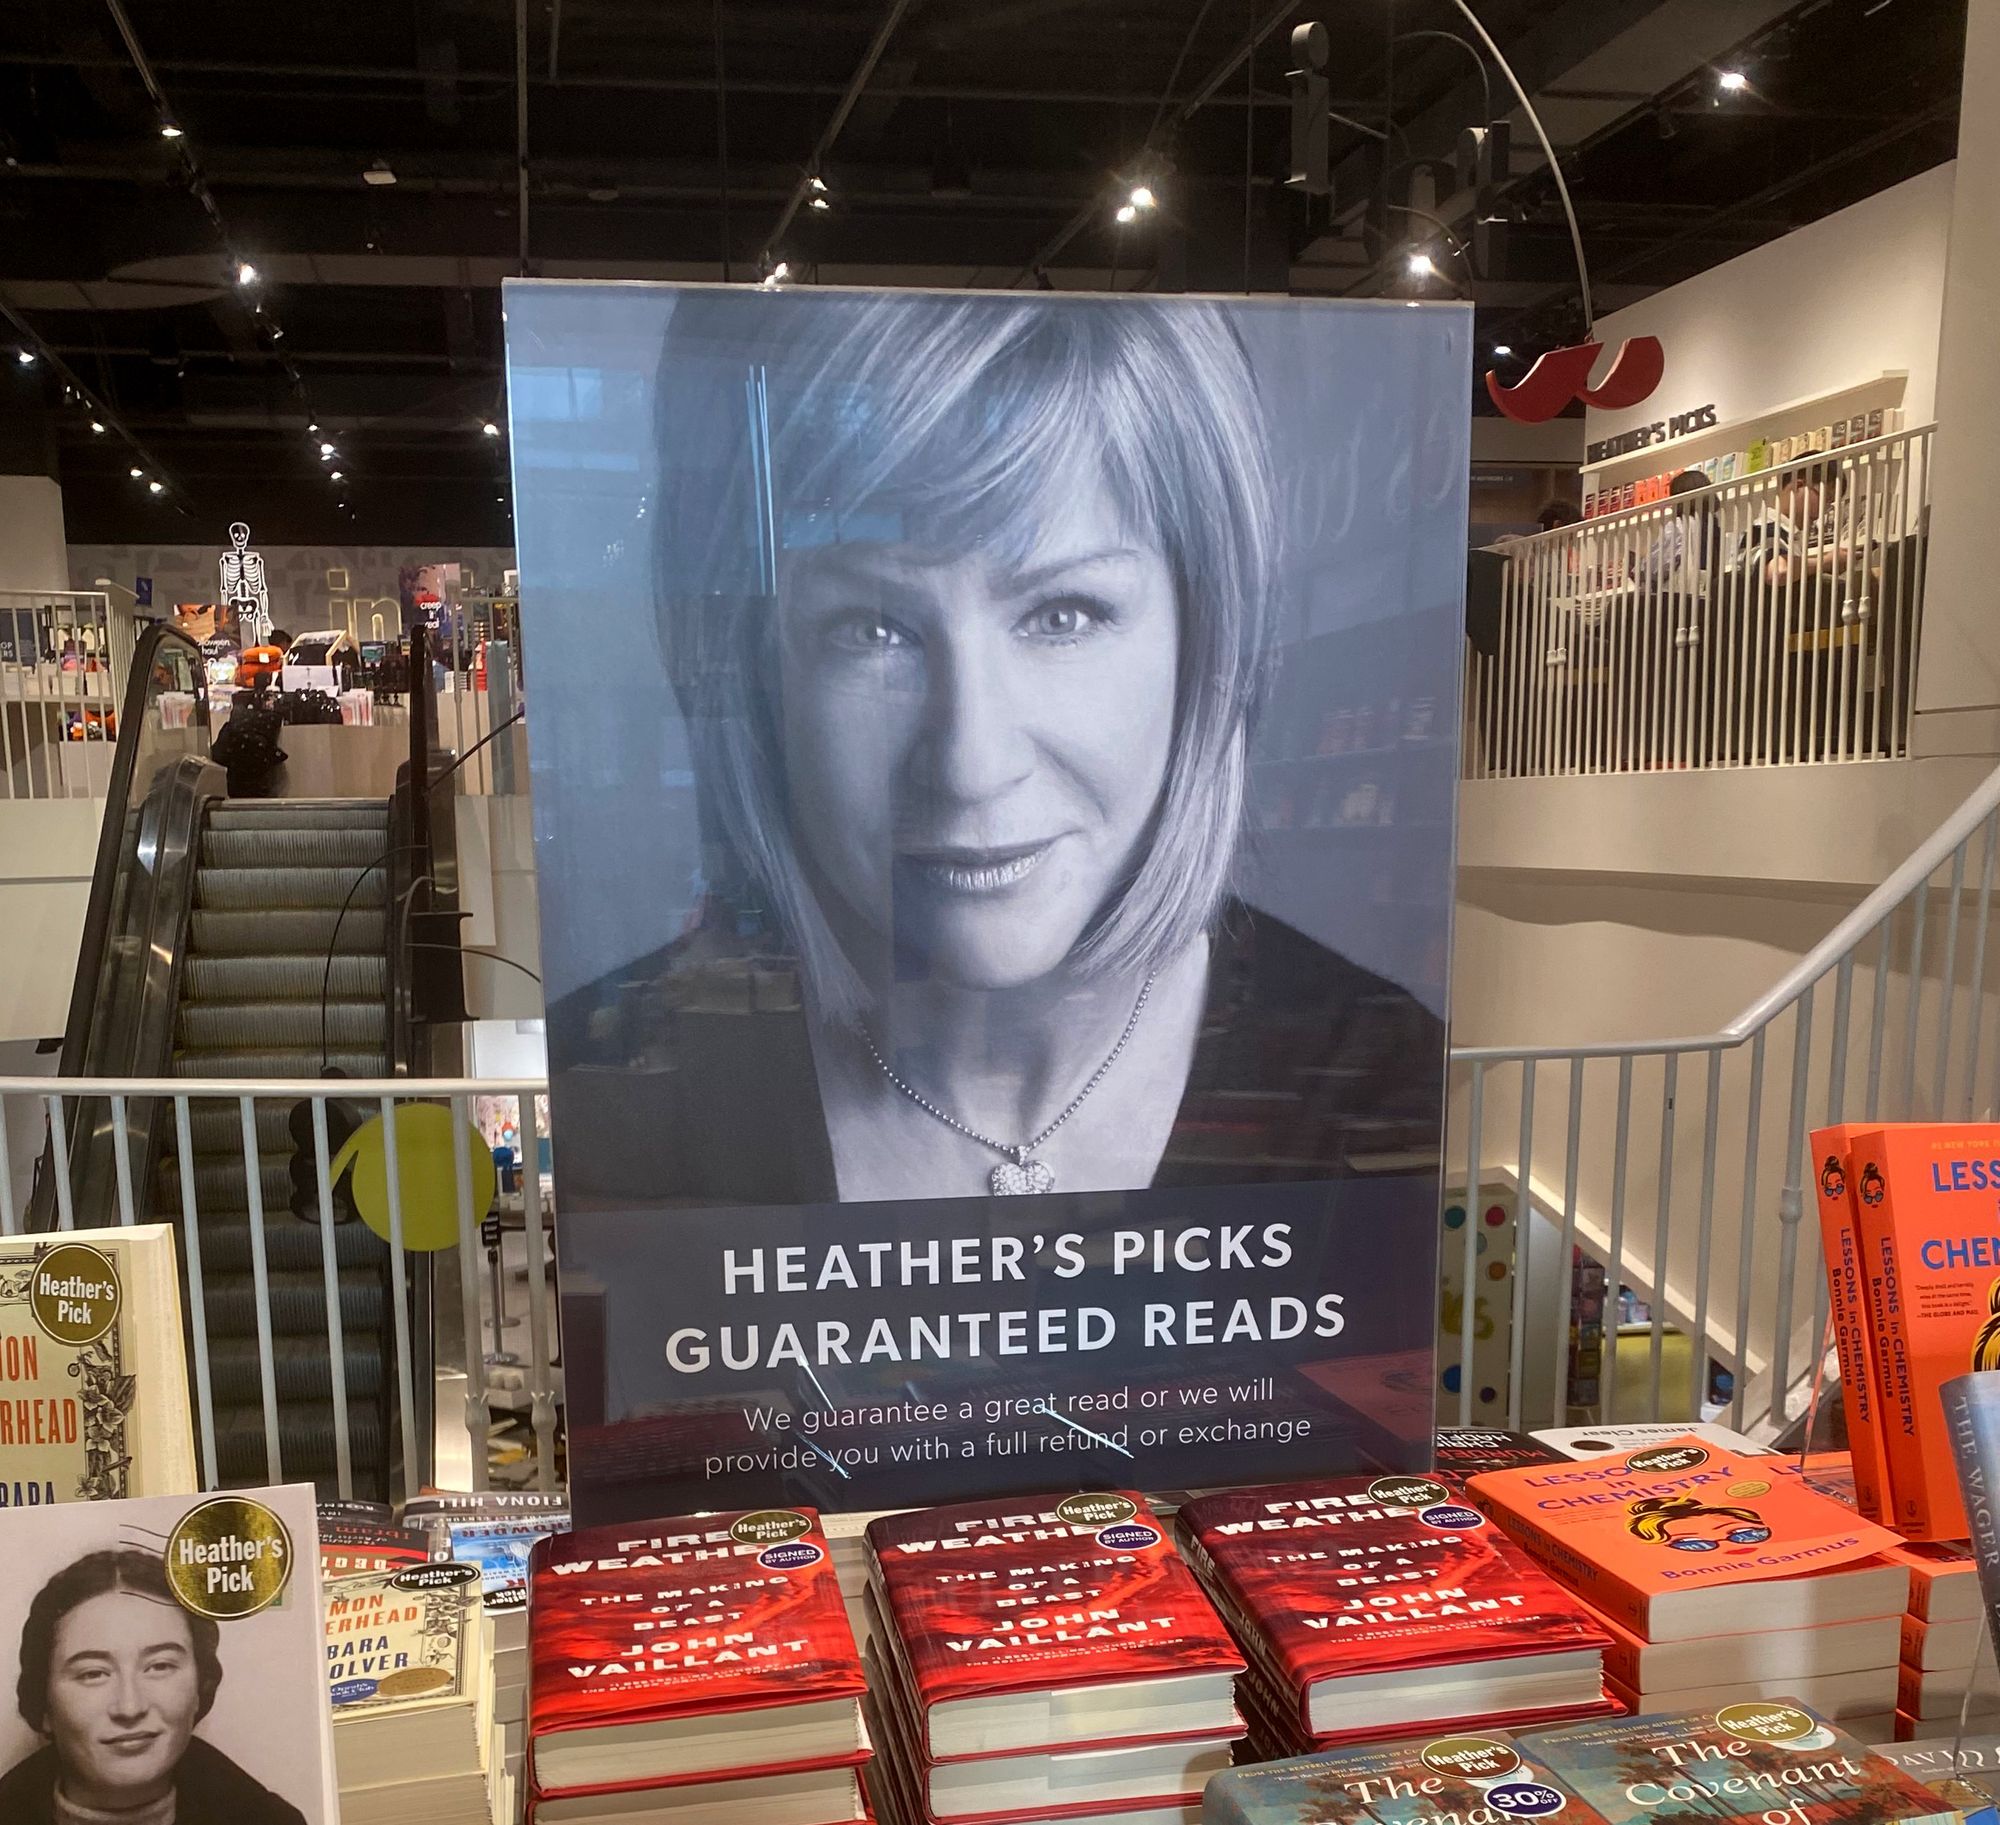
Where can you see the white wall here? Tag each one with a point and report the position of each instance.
(48, 848)
(301, 595)
(1843, 300)
(31, 534)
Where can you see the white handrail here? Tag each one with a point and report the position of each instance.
(1838, 944)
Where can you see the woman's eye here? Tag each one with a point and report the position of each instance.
(1065, 618)
(868, 634)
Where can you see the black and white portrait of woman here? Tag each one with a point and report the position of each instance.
(1033, 797)
(115, 1679)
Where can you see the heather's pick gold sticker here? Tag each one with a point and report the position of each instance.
(74, 1293)
(229, 1558)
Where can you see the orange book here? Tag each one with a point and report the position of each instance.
(1667, 1538)
(1860, 1384)
(1944, 1580)
(1927, 1196)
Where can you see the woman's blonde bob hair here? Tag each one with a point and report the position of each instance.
(794, 420)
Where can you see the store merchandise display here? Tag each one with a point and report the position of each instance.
(1365, 1606)
(1028, 1657)
(496, 1530)
(1962, 1769)
(1601, 1441)
(409, 1673)
(95, 1370)
(356, 1537)
(700, 1668)
(170, 1652)
(1758, 454)
(1464, 1451)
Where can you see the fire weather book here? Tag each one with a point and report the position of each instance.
(1745, 1764)
(1854, 1341)
(1478, 1778)
(406, 1676)
(1364, 1603)
(1924, 1199)
(1664, 1539)
(1025, 1624)
(686, 1649)
(93, 1374)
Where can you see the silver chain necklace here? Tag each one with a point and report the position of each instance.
(1020, 1172)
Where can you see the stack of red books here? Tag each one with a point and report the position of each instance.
(1374, 1608)
(700, 1669)
(1043, 1658)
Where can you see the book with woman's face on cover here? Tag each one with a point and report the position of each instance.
(166, 1652)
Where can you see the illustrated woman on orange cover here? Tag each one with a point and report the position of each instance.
(1691, 1526)
(1986, 1346)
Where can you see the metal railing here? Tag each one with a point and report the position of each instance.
(1770, 620)
(62, 673)
(189, 1101)
(1890, 1017)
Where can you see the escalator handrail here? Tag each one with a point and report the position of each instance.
(111, 833)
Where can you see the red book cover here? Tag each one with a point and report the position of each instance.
(725, 1612)
(1024, 1595)
(1358, 1576)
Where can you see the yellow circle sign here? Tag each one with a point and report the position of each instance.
(229, 1558)
(426, 1175)
(74, 1294)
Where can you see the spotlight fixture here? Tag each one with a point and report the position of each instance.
(157, 487)
(1142, 196)
(137, 473)
(490, 429)
(1127, 212)
(777, 276)
(1502, 350)
(819, 202)
(1421, 265)
(246, 274)
(337, 476)
(817, 184)
(169, 131)
(97, 425)
(379, 174)
(26, 357)
(312, 430)
(1732, 82)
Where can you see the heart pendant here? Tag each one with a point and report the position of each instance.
(1013, 1179)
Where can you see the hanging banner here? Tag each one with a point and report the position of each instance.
(994, 766)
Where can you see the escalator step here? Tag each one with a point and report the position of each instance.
(251, 846)
(299, 814)
(290, 1245)
(216, 1129)
(302, 1370)
(292, 1062)
(262, 1025)
(268, 889)
(298, 1303)
(284, 978)
(291, 930)
(305, 1442)
(219, 1187)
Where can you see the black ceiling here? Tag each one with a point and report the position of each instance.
(987, 146)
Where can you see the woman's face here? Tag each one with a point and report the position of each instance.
(123, 1698)
(974, 749)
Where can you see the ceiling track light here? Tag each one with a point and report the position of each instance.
(246, 274)
(26, 357)
(1142, 197)
(1126, 213)
(1421, 265)
(1732, 82)
(138, 474)
(97, 426)
(1501, 350)
(379, 174)
(816, 184)
(489, 429)
(157, 487)
(169, 131)
(818, 202)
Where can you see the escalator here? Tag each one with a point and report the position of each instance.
(246, 939)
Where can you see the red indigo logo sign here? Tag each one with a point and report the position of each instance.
(1564, 374)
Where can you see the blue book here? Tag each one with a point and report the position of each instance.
(1480, 1778)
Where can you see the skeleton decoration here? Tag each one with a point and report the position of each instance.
(244, 588)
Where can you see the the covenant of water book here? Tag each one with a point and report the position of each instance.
(93, 1374)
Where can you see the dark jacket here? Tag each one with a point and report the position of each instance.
(209, 1789)
(687, 1078)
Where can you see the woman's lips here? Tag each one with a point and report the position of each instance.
(975, 871)
(135, 1742)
